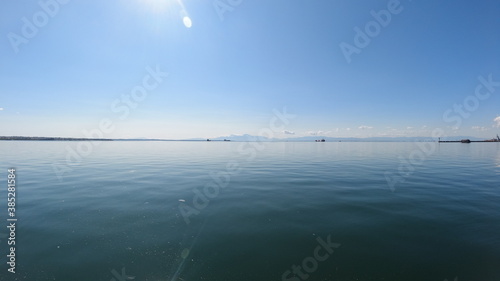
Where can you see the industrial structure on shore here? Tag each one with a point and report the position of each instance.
(469, 141)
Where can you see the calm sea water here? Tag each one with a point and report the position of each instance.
(118, 214)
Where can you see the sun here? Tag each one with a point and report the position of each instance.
(164, 6)
(158, 6)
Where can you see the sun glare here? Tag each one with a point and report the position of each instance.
(158, 6)
(164, 6)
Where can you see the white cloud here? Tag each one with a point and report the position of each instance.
(363, 127)
(288, 133)
(481, 129)
(316, 133)
(497, 121)
(312, 133)
(348, 129)
(1, 108)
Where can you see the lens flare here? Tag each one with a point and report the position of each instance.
(187, 22)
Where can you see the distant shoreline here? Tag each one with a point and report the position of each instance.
(50, 139)
(20, 138)
(408, 139)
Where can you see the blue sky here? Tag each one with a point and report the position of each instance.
(241, 59)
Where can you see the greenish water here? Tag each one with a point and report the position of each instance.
(120, 210)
